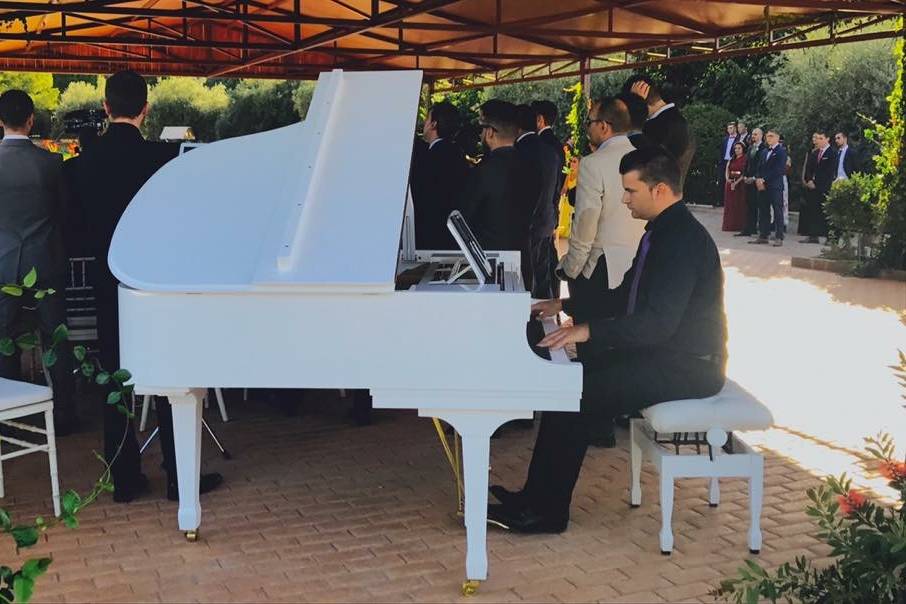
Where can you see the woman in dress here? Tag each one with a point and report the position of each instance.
(734, 191)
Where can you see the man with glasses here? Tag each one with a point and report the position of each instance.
(604, 234)
(497, 201)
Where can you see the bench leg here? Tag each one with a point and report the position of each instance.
(52, 461)
(666, 534)
(714, 486)
(635, 465)
(756, 492)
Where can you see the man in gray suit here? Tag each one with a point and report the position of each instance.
(30, 219)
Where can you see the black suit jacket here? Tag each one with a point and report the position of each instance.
(671, 131)
(772, 168)
(439, 173)
(106, 178)
(825, 170)
(497, 202)
(548, 137)
(541, 164)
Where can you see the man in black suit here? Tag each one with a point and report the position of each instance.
(660, 336)
(742, 133)
(498, 201)
(847, 157)
(817, 187)
(755, 155)
(31, 217)
(638, 115)
(438, 175)
(725, 153)
(665, 126)
(769, 181)
(108, 175)
(545, 118)
(541, 163)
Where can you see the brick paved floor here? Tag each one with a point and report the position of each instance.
(316, 510)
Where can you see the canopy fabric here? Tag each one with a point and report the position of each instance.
(506, 40)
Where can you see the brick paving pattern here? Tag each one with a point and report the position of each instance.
(314, 509)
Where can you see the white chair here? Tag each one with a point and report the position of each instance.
(20, 399)
(147, 402)
(733, 408)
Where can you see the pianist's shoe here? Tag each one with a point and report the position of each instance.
(523, 519)
(124, 493)
(512, 499)
(207, 483)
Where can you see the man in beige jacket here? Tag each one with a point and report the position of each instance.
(604, 234)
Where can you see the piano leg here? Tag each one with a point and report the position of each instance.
(187, 442)
(476, 428)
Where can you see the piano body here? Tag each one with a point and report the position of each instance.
(275, 264)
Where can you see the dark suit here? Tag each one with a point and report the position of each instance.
(31, 182)
(547, 135)
(106, 178)
(850, 161)
(439, 173)
(497, 201)
(541, 164)
(773, 170)
(722, 166)
(755, 157)
(671, 131)
(824, 175)
(806, 211)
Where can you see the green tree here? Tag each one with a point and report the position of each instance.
(576, 117)
(78, 95)
(467, 103)
(39, 87)
(258, 105)
(302, 98)
(705, 122)
(183, 101)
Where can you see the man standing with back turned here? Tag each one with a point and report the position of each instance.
(108, 176)
(660, 336)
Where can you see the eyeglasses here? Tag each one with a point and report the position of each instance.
(589, 122)
(485, 126)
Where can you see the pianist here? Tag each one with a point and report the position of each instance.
(109, 174)
(661, 335)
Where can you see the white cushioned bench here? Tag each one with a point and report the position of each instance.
(717, 417)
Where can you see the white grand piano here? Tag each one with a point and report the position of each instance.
(276, 263)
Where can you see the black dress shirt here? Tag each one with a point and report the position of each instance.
(680, 304)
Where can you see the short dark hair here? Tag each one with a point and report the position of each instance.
(845, 135)
(821, 131)
(547, 110)
(654, 165)
(15, 108)
(654, 94)
(126, 94)
(447, 118)
(614, 111)
(637, 107)
(500, 115)
(525, 118)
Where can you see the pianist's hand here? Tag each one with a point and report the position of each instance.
(546, 308)
(566, 335)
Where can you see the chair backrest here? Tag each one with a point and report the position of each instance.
(81, 311)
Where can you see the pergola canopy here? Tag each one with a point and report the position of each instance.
(490, 41)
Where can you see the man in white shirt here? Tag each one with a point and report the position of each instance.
(604, 234)
(725, 157)
(846, 159)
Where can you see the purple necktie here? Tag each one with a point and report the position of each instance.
(643, 253)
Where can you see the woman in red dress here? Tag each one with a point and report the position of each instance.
(734, 191)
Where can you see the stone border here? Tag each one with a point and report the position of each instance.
(843, 267)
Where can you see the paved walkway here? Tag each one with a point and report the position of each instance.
(317, 510)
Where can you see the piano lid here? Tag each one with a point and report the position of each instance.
(315, 206)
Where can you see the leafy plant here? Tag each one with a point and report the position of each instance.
(18, 585)
(578, 113)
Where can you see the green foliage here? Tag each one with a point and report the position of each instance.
(852, 207)
(578, 113)
(39, 87)
(467, 103)
(78, 95)
(302, 96)
(704, 120)
(889, 167)
(185, 102)
(258, 105)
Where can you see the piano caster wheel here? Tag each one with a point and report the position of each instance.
(470, 587)
(191, 536)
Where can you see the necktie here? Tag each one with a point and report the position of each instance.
(820, 154)
(637, 276)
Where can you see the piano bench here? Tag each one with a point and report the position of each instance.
(711, 422)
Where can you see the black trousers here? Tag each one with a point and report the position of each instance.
(119, 431)
(587, 292)
(751, 210)
(543, 279)
(815, 224)
(616, 384)
(44, 316)
(721, 182)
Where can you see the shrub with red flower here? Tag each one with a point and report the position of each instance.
(851, 502)
(893, 470)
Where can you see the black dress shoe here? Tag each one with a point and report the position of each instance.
(743, 234)
(512, 499)
(124, 493)
(206, 484)
(524, 520)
